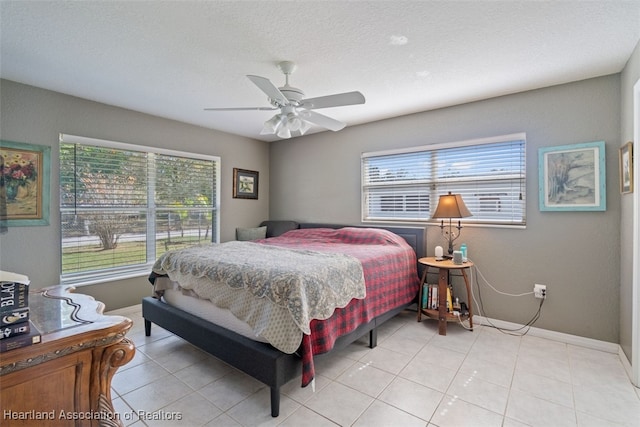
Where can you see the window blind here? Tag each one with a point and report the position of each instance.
(489, 174)
(123, 205)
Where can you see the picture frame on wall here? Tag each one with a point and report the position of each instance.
(245, 184)
(572, 177)
(24, 184)
(626, 167)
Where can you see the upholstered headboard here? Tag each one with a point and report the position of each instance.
(276, 228)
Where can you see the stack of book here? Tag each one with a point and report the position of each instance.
(430, 298)
(16, 330)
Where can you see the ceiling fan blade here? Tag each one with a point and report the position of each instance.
(242, 109)
(337, 100)
(269, 88)
(322, 120)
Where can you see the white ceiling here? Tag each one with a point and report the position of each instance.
(173, 58)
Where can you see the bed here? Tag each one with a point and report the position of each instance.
(262, 356)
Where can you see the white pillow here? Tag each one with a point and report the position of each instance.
(251, 233)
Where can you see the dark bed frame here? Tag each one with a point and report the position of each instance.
(259, 360)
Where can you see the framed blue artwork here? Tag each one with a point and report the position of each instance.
(572, 177)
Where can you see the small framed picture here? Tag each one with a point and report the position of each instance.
(626, 168)
(572, 177)
(245, 184)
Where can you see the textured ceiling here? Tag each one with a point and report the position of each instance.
(174, 58)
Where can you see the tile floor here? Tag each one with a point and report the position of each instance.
(414, 377)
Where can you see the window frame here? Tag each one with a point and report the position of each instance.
(437, 186)
(141, 269)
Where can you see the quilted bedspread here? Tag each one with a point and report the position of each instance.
(304, 289)
(277, 291)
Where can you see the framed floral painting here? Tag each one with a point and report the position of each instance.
(24, 184)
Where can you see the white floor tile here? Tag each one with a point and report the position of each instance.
(545, 388)
(306, 417)
(609, 401)
(387, 360)
(536, 412)
(416, 399)
(487, 370)
(230, 390)
(555, 368)
(380, 414)
(339, 403)
(366, 379)
(138, 376)
(454, 412)
(201, 374)
(470, 388)
(428, 375)
(157, 394)
(414, 377)
(191, 410)
(294, 388)
(256, 409)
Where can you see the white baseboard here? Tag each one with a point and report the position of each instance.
(591, 343)
(627, 365)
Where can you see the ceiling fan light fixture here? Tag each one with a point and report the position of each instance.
(294, 122)
(284, 132)
(271, 126)
(304, 127)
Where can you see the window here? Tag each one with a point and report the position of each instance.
(122, 206)
(404, 185)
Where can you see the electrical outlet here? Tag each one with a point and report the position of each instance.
(540, 291)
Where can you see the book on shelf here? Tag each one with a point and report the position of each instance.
(425, 296)
(22, 340)
(14, 292)
(14, 329)
(433, 297)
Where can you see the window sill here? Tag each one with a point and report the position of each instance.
(87, 280)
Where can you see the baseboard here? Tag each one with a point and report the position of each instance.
(627, 366)
(591, 343)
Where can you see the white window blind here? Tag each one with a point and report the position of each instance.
(124, 205)
(405, 185)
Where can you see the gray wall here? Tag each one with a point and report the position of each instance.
(629, 77)
(37, 116)
(317, 178)
(576, 254)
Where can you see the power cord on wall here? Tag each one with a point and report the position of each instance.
(479, 304)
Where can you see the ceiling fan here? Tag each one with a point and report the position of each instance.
(296, 113)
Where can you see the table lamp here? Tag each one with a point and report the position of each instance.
(451, 206)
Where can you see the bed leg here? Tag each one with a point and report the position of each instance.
(373, 338)
(275, 402)
(147, 328)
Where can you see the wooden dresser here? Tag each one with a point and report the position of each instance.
(66, 379)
